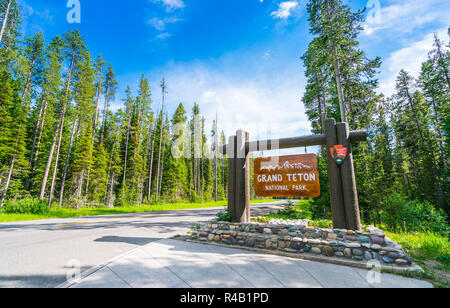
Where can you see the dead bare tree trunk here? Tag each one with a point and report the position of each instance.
(5, 20)
(126, 154)
(8, 180)
(66, 167)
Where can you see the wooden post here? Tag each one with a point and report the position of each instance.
(242, 191)
(349, 180)
(231, 153)
(334, 175)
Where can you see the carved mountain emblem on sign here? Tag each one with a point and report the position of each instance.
(339, 154)
(286, 166)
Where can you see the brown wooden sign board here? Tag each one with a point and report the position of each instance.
(287, 176)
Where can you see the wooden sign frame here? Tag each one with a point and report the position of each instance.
(342, 180)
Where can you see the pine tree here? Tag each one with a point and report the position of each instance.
(74, 43)
(12, 138)
(46, 109)
(110, 87)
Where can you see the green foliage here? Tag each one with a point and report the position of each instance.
(224, 216)
(26, 206)
(321, 223)
(401, 214)
(424, 245)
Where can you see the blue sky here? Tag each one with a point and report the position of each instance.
(240, 58)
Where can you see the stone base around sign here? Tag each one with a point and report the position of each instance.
(350, 248)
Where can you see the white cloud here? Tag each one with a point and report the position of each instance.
(171, 5)
(409, 58)
(254, 103)
(163, 36)
(161, 24)
(285, 9)
(405, 16)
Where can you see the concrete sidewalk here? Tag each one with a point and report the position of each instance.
(177, 264)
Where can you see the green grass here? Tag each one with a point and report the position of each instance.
(84, 212)
(431, 251)
(424, 245)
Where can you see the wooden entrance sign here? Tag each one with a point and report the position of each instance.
(287, 176)
(274, 181)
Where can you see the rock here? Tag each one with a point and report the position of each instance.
(364, 239)
(390, 249)
(350, 232)
(347, 252)
(327, 251)
(357, 258)
(401, 262)
(296, 245)
(393, 255)
(339, 254)
(250, 242)
(352, 245)
(281, 244)
(314, 242)
(332, 236)
(380, 233)
(377, 240)
(316, 250)
(297, 239)
(233, 241)
(211, 237)
(316, 235)
(307, 248)
(357, 252)
(368, 256)
(376, 256)
(387, 260)
(376, 247)
(267, 231)
(366, 246)
(226, 228)
(217, 238)
(203, 234)
(351, 238)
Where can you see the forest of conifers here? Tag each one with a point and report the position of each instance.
(61, 141)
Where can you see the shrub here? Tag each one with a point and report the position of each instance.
(401, 214)
(224, 216)
(26, 206)
(321, 223)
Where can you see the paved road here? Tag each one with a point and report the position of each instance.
(177, 264)
(41, 253)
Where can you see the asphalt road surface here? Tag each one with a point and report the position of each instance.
(41, 254)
